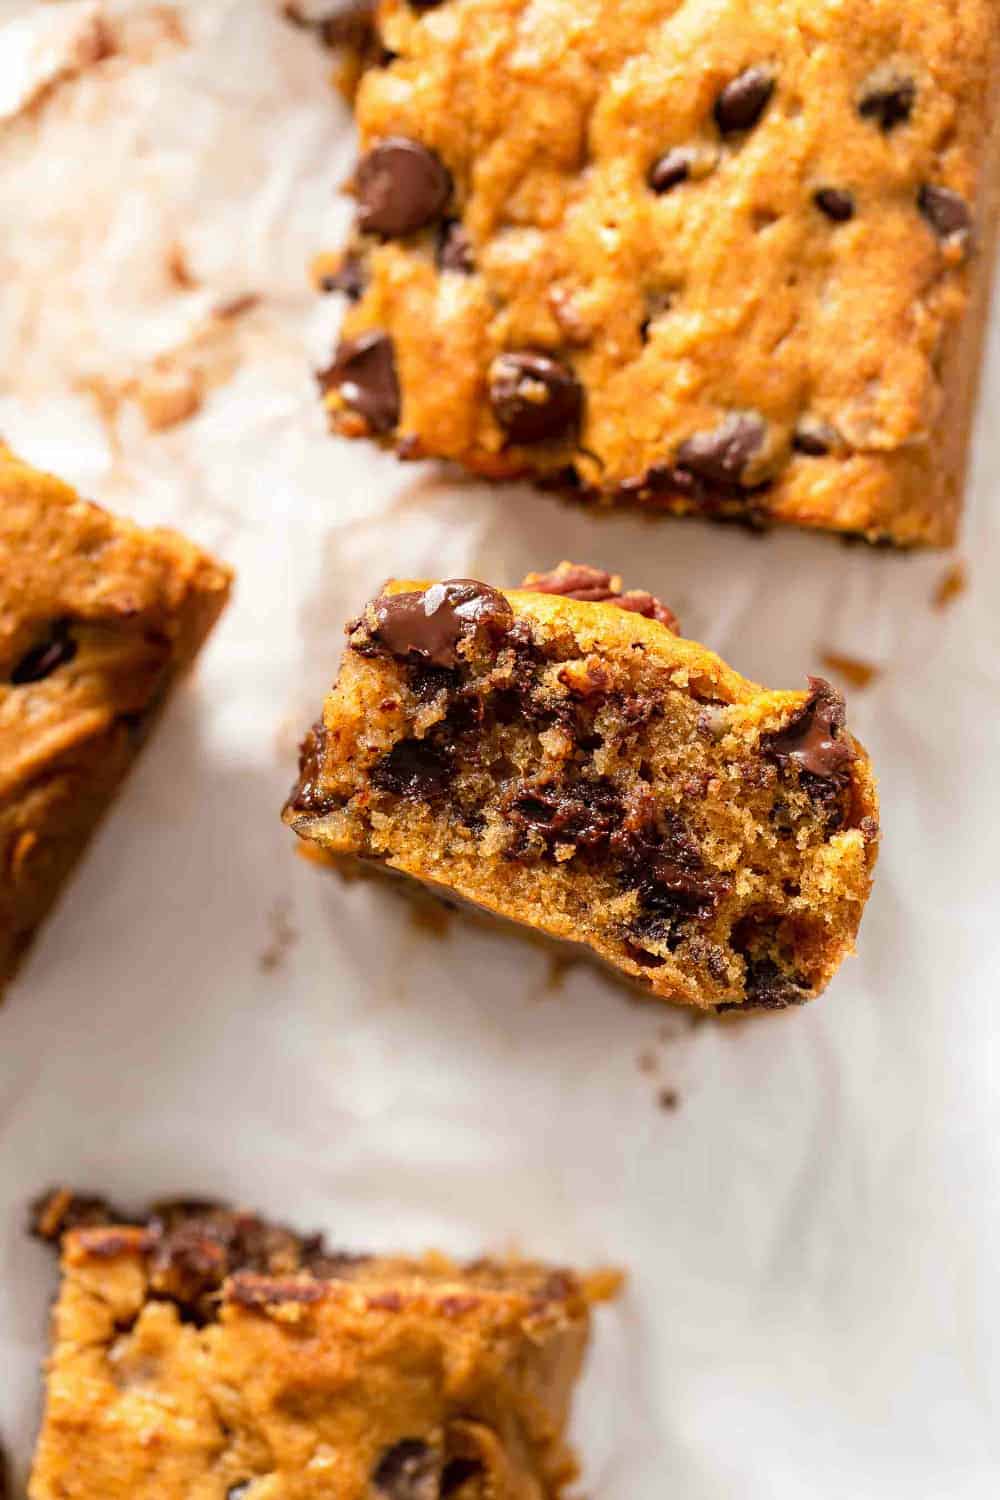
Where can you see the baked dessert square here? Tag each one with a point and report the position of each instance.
(718, 258)
(97, 619)
(206, 1353)
(559, 756)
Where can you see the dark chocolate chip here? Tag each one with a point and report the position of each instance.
(534, 396)
(350, 277)
(720, 455)
(431, 624)
(455, 248)
(887, 99)
(816, 438)
(459, 1471)
(837, 204)
(412, 768)
(364, 372)
(743, 100)
(409, 1470)
(401, 185)
(946, 212)
(307, 795)
(56, 649)
(813, 739)
(768, 988)
(669, 170)
(586, 813)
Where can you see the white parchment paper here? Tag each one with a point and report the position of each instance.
(812, 1232)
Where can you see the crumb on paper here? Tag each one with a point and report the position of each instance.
(283, 936)
(647, 1060)
(857, 673)
(668, 1100)
(951, 585)
(47, 46)
(179, 271)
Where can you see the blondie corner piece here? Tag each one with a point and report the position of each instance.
(205, 1353)
(97, 617)
(559, 756)
(710, 258)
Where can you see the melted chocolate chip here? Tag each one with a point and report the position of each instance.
(431, 624)
(946, 212)
(670, 170)
(409, 1470)
(534, 397)
(813, 739)
(364, 372)
(742, 102)
(721, 455)
(413, 768)
(837, 204)
(887, 99)
(350, 277)
(401, 186)
(586, 813)
(308, 796)
(56, 649)
(455, 248)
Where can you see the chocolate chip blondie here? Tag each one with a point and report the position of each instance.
(718, 258)
(97, 618)
(205, 1352)
(559, 756)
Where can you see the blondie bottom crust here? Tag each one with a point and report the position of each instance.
(719, 257)
(206, 1355)
(558, 755)
(97, 617)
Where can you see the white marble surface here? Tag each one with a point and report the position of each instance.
(812, 1235)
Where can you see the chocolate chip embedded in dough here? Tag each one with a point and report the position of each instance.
(55, 649)
(722, 454)
(670, 169)
(364, 372)
(836, 203)
(534, 396)
(401, 186)
(455, 248)
(887, 98)
(409, 1470)
(814, 739)
(816, 438)
(430, 624)
(946, 212)
(743, 100)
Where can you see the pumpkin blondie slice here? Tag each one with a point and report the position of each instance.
(207, 1355)
(97, 619)
(558, 755)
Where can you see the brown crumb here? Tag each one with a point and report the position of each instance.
(859, 674)
(178, 269)
(235, 307)
(951, 585)
(647, 1060)
(283, 937)
(668, 1099)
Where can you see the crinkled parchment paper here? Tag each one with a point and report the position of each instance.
(807, 1203)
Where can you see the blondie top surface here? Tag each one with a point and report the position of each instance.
(204, 1354)
(723, 256)
(97, 617)
(560, 756)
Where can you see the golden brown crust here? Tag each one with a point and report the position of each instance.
(97, 618)
(390, 1372)
(581, 770)
(731, 292)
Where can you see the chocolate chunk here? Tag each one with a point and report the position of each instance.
(401, 185)
(409, 1470)
(586, 813)
(816, 438)
(837, 204)
(459, 1471)
(56, 649)
(946, 213)
(721, 455)
(413, 768)
(813, 739)
(308, 796)
(455, 248)
(594, 585)
(350, 277)
(742, 102)
(768, 988)
(364, 372)
(431, 624)
(887, 98)
(534, 397)
(669, 170)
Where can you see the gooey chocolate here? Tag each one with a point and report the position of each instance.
(430, 624)
(814, 739)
